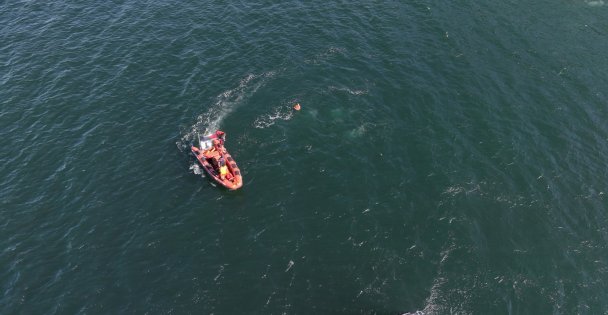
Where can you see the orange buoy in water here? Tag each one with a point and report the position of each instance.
(297, 106)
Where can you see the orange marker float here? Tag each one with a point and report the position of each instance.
(297, 106)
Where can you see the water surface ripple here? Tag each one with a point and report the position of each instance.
(449, 158)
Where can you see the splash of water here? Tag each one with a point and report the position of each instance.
(196, 169)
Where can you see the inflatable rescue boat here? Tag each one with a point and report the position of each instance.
(217, 162)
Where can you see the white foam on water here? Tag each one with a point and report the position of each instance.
(595, 3)
(360, 130)
(453, 190)
(325, 55)
(196, 169)
(434, 304)
(289, 265)
(349, 91)
(226, 103)
(283, 112)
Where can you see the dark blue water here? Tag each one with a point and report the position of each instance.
(449, 158)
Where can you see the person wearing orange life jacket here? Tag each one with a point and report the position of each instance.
(218, 144)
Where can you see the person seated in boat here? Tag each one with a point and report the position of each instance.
(223, 168)
(221, 136)
(224, 173)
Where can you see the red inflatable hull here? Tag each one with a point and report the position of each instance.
(236, 179)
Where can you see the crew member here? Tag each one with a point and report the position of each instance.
(218, 145)
(223, 168)
(221, 136)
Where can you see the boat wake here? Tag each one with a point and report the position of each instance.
(225, 103)
(282, 112)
